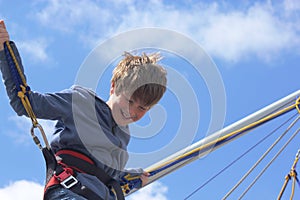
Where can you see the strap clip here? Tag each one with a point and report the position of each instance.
(69, 182)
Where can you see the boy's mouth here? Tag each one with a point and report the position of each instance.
(126, 115)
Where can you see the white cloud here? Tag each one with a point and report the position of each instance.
(35, 49)
(233, 34)
(28, 190)
(21, 132)
(22, 190)
(291, 5)
(85, 19)
(154, 191)
(237, 35)
(65, 15)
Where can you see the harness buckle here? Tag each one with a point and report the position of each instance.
(69, 182)
(66, 178)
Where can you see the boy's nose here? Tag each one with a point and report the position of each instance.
(133, 113)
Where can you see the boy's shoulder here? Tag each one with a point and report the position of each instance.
(82, 89)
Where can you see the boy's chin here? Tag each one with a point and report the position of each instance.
(121, 122)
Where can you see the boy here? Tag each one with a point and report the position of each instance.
(90, 128)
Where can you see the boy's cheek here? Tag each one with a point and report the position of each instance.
(140, 115)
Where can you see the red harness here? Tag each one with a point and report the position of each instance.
(68, 163)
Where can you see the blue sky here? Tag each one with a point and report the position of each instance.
(253, 46)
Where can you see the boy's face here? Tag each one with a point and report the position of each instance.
(125, 109)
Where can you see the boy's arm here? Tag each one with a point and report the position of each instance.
(6, 75)
(46, 106)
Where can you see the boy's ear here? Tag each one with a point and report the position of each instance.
(112, 88)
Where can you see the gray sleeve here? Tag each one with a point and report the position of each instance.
(53, 106)
(46, 106)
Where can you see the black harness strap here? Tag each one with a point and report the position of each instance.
(89, 168)
(51, 163)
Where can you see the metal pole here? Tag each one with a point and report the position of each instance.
(282, 103)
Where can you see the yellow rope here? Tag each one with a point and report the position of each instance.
(247, 127)
(287, 178)
(26, 103)
(16, 63)
(292, 174)
(22, 94)
(293, 186)
(27, 106)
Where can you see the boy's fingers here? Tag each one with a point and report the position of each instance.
(2, 24)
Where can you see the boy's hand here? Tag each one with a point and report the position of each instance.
(3, 34)
(144, 177)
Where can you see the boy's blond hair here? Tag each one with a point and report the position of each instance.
(141, 77)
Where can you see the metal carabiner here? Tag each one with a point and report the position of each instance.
(36, 139)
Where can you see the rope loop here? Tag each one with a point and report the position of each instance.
(291, 175)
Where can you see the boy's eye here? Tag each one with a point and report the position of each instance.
(142, 108)
(130, 101)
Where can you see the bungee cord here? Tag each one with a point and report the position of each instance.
(261, 158)
(239, 157)
(272, 160)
